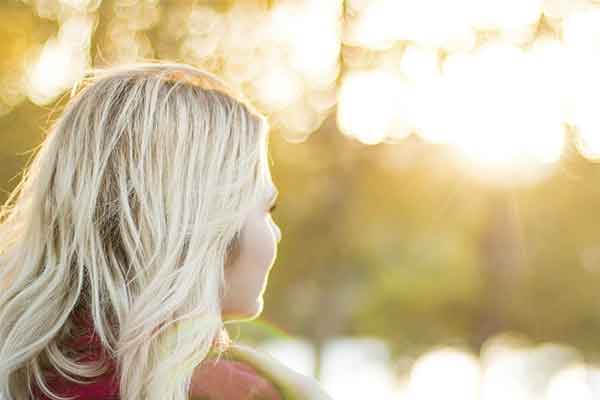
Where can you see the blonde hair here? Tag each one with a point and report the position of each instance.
(128, 210)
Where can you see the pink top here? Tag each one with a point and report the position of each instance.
(220, 380)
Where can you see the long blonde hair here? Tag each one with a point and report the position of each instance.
(128, 210)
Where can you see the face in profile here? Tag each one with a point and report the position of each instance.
(253, 256)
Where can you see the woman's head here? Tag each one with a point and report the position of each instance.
(146, 206)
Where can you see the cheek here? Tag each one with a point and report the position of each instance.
(246, 277)
(255, 254)
(259, 245)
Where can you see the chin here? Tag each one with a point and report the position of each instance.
(255, 310)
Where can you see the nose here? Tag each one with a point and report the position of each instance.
(277, 232)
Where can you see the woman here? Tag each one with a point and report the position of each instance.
(142, 225)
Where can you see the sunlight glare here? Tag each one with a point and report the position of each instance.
(570, 383)
(297, 354)
(500, 118)
(366, 105)
(61, 62)
(507, 15)
(371, 29)
(313, 52)
(82, 5)
(505, 377)
(445, 373)
(435, 23)
(588, 138)
(581, 36)
(299, 121)
(357, 369)
(279, 87)
(419, 63)
(581, 29)
(562, 8)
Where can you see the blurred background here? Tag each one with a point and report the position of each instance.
(437, 167)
